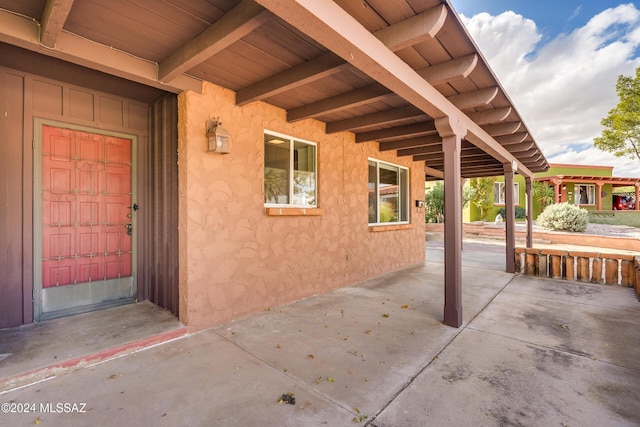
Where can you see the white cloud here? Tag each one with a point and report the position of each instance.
(565, 87)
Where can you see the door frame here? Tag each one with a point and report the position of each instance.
(38, 314)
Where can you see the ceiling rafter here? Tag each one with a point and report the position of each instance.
(397, 36)
(508, 128)
(53, 18)
(411, 142)
(432, 149)
(474, 99)
(445, 72)
(486, 117)
(514, 139)
(339, 102)
(451, 70)
(235, 24)
(305, 73)
(380, 118)
(469, 153)
(399, 132)
(468, 161)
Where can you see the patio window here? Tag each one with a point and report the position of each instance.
(289, 171)
(585, 194)
(498, 193)
(388, 193)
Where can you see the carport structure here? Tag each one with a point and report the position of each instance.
(404, 73)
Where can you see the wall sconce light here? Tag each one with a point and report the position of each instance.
(219, 138)
(564, 187)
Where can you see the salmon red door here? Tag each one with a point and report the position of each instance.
(86, 221)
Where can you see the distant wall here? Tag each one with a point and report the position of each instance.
(631, 218)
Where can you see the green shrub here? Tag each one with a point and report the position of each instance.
(564, 217)
(520, 212)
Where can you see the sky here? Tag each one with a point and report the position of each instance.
(559, 62)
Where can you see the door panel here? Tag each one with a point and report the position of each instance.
(86, 199)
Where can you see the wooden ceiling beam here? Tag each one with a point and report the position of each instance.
(411, 142)
(486, 117)
(397, 36)
(299, 75)
(381, 118)
(522, 147)
(333, 27)
(24, 32)
(433, 172)
(399, 132)
(472, 161)
(455, 69)
(516, 138)
(503, 128)
(54, 16)
(421, 149)
(474, 99)
(448, 72)
(438, 158)
(466, 147)
(411, 31)
(235, 24)
(339, 102)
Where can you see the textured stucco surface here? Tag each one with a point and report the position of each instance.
(234, 258)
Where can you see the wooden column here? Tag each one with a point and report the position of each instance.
(510, 217)
(529, 192)
(598, 196)
(452, 135)
(556, 190)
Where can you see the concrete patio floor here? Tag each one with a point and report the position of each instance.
(531, 352)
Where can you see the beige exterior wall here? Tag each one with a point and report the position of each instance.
(234, 258)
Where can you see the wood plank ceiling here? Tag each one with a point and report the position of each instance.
(244, 47)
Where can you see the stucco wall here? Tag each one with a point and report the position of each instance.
(234, 258)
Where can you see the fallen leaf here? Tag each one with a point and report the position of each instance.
(319, 380)
(310, 356)
(115, 376)
(404, 306)
(330, 379)
(368, 332)
(278, 346)
(37, 421)
(385, 315)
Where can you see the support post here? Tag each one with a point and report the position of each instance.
(510, 219)
(598, 196)
(637, 201)
(452, 134)
(529, 192)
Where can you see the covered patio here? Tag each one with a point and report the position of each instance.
(404, 74)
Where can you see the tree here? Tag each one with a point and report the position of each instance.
(545, 193)
(621, 135)
(482, 194)
(434, 203)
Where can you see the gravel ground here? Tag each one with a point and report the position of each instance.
(606, 230)
(613, 230)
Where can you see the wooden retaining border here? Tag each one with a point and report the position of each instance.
(593, 267)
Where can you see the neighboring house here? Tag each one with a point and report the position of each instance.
(588, 186)
(219, 158)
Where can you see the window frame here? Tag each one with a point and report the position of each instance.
(402, 209)
(290, 195)
(516, 194)
(576, 191)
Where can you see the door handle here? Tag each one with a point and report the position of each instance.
(129, 228)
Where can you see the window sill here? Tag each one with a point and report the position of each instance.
(294, 211)
(377, 228)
